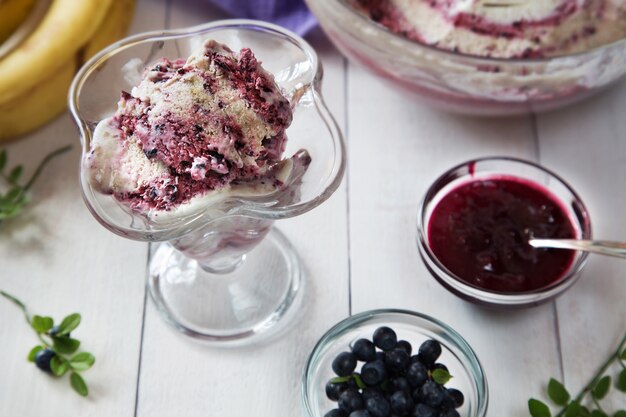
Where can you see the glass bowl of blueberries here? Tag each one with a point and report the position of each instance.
(393, 363)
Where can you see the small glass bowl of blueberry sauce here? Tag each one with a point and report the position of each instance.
(412, 329)
(474, 224)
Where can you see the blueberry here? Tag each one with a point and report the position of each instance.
(432, 393)
(448, 400)
(440, 366)
(416, 374)
(336, 413)
(416, 358)
(429, 351)
(334, 390)
(364, 350)
(458, 397)
(450, 412)
(371, 392)
(352, 384)
(385, 338)
(380, 356)
(378, 407)
(400, 383)
(397, 359)
(344, 364)
(360, 413)
(405, 346)
(373, 373)
(350, 400)
(422, 410)
(43, 358)
(401, 402)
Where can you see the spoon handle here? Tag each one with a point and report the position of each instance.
(603, 247)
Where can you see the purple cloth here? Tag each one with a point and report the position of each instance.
(292, 14)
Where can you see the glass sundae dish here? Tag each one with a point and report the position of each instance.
(220, 272)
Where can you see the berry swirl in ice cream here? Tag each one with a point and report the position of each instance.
(192, 128)
(503, 28)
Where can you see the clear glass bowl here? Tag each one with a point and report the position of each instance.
(488, 168)
(218, 278)
(457, 355)
(468, 84)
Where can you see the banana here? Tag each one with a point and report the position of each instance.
(42, 96)
(12, 14)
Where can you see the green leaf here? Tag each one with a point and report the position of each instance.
(68, 324)
(65, 345)
(340, 379)
(78, 383)
(41, 324)
(33, 352)
(573, 410)
(538, 408)
(623, 355)
(12, 195)
(621, 381)
(3, 159)
(602, 388)
(441, 376)
(557, 392)
(82, 361)
(15, 174)
(620, 413)
(598, 413)
(584, 411)
(359, 381)
(59, 366)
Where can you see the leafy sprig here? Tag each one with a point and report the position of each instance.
(440, 376)
(13, 201)
(57, 341)
(596, 390)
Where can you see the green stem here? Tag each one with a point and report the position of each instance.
(598, 405)
(18, 303)
(597, 376)
(43, 163)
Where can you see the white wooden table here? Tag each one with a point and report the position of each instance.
(358, 249)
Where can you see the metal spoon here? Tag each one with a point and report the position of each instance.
(603, 247)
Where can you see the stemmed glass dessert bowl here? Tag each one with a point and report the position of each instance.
(219, 272)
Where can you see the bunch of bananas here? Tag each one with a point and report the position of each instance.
(35, 76)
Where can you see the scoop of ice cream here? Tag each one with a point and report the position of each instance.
(503, 28)
(190, 128)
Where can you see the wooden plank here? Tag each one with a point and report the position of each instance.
(265, 378)
(586, 144)
(59, 260)
(397, 148)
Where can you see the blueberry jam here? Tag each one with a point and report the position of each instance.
(479, 231)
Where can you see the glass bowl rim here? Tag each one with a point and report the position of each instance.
(476, 58)
(502, 298)
(476, 369)
(248, 208)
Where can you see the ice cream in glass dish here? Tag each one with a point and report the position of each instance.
(199, 139)
(484, 57)
(191, 132)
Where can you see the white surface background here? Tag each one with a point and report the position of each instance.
(358, 249)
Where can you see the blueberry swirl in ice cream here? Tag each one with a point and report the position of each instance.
(503, 28)
(190, 128)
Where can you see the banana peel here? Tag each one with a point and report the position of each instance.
(12, 14)
(47, 98)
